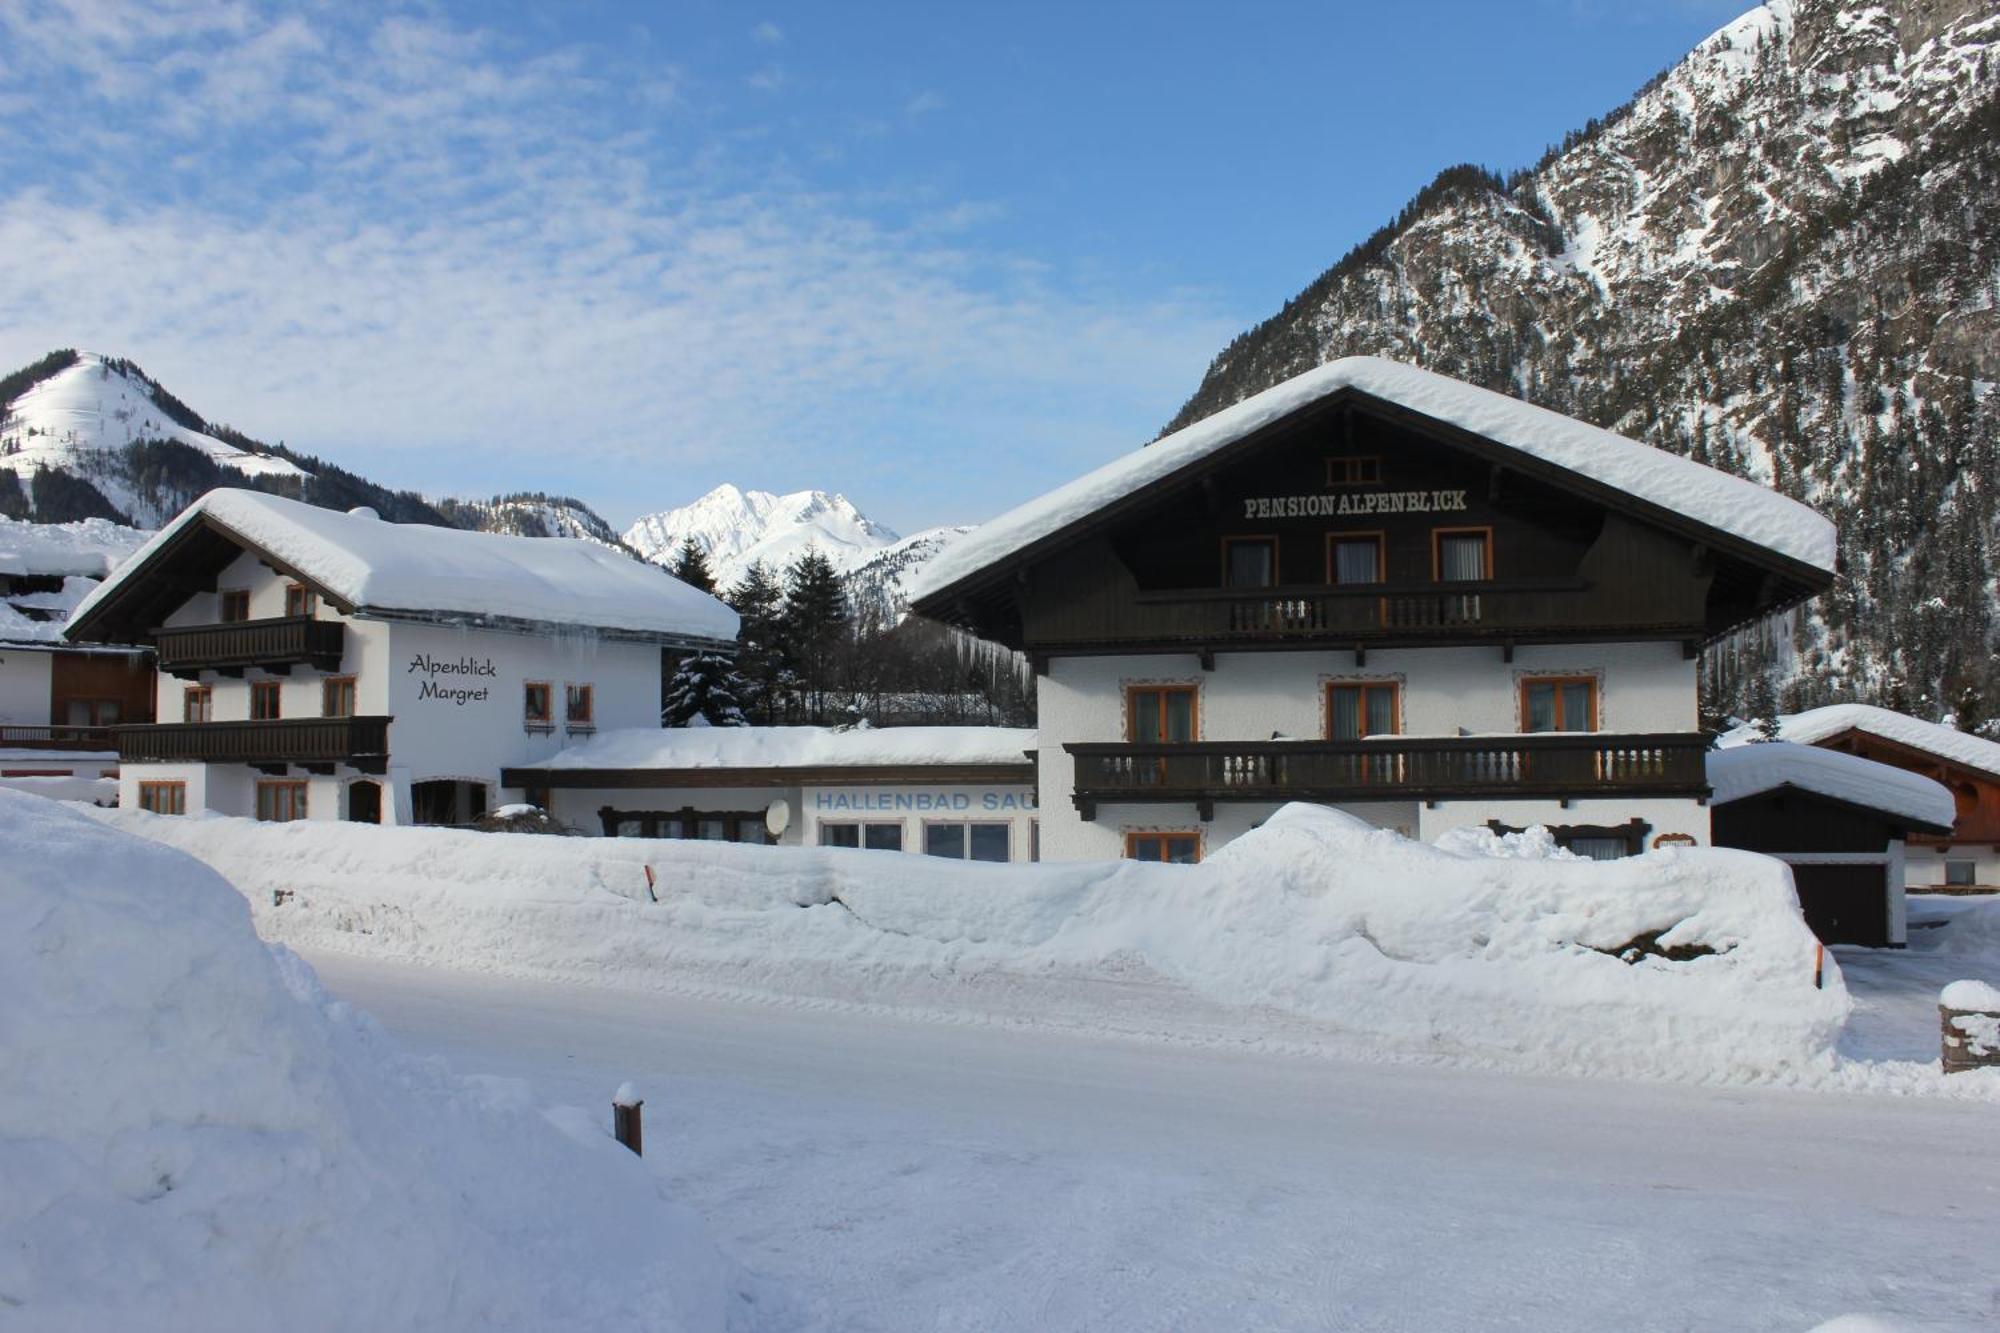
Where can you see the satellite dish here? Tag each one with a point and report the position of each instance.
(778, 817)
(363, 511)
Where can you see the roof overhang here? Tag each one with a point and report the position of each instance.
(855, 775)
(1903, 822)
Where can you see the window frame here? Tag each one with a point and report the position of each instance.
(298, 792)
(1344, 470)
(151, 790)
(1379, 536)
(228, 597)
(1971, 872)
(1249, 539)
(1437, 552)
(204, 693)
(965, 846)
(862, 828)
(546, 722)
(1596, 703)
(1132, 692)
(587, 720)
(1133, 837)
(1364, 684)
(267, 689)
(300, 600)
(326, 689)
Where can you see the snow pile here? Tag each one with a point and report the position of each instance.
(1979, 996)
(1748, 769)
(75, 787)
(797, 747)
(89, 549)
(1822, 724)
(1315, 929)
(1729, 504)
(194, 1136)
(418, 568)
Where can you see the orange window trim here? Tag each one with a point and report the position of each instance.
(1394, 687)
(1134, 837)
(573, 694)
(548, 708)
(1132, 693)
(1342, 471)
(1378, 536)
(1437, 548)
(1527, 681)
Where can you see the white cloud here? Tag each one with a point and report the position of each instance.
(767, 32)
(459, 268)
(924, 103)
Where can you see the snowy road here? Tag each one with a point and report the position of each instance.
(912, 1176)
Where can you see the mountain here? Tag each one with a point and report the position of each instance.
(878, 587)
(1782, 257)
(534, 514)
(736, 528)
(87, 436)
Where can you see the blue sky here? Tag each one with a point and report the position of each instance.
(937, 257)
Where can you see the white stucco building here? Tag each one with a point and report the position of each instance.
(326, 665)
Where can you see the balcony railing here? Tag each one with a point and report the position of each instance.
(361, 742)
(275, 645)
(1559, 765)
(57, 738)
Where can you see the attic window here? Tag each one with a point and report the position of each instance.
(235, 604)
(300, 600)
(1354, 471)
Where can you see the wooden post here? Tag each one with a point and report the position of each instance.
(625, 1125)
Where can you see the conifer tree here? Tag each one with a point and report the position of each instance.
(691, 566)
(814, 629)
(705, 686)
(760, 651)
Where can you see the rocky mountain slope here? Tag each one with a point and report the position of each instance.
(736, 528)
(1782, 258)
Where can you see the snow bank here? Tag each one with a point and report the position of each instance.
(796, 747)
(94, 791)
(415, 567)
(1976, 995)
(1819, 724)
(194, 1136)
(1747, 769)
(1315, 930)
(1730, 504)
(88, 549)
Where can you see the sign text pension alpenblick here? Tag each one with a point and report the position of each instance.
(1354, 502)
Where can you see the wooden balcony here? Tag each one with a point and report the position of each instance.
(360, 742)
(57, 738)
(1562, 765)
(274, 645)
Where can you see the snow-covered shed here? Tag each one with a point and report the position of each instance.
(1382, 589)
(1840, 821)
(1964, 858)
(327, 665)
(962, 792)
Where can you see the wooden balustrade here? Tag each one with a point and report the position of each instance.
(1561, 765)
(56, 737)
(362, 742)
(277, 645)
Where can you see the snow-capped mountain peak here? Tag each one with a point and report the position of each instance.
(735, 528)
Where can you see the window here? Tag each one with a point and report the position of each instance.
(576, 707)
(263, 700)
(163, 798)
(1366, 708)
(1961, 874)
(92, 712)
(1034, 840)
(1354, 471)
(337, 696)
(1599, 842)
(1559, 703)
(875, 837)
(280, 802)
(714, 826)
(1598, 848)
(538, 705)
(966, 842)
(235, 604)
(752, 829)
(300, 600)
(197, 704)
(1249, 562)
(1354, 557)
(1462, 555)
(1163, 713)
(1179, 848)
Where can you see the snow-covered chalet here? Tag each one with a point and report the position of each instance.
(1381, 589)
(326, 665)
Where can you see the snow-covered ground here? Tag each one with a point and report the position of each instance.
(902, 1175)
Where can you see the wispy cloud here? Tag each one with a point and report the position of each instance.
(464, 267)
(767, 32)
(924, 103)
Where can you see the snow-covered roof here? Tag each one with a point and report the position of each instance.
(415, 568)
(1729, 504)
(1819, 724)
(90, 549)
(1746, 769)
(797, 747)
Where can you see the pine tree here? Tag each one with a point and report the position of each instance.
(691, 566)
(760, 651)
(814, 629)
(705, 686)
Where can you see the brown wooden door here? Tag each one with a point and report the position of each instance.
(1845, 904)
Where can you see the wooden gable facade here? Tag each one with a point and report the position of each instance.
(1975, 793)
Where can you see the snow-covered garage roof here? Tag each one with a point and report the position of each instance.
(1820, 724)
(417, 570)
(1715, 499)
(1745, 768)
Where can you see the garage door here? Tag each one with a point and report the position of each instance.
(1845, 904)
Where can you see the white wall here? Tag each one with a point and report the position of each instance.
(1924, 866)
(24, 687)
(1642, 687)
